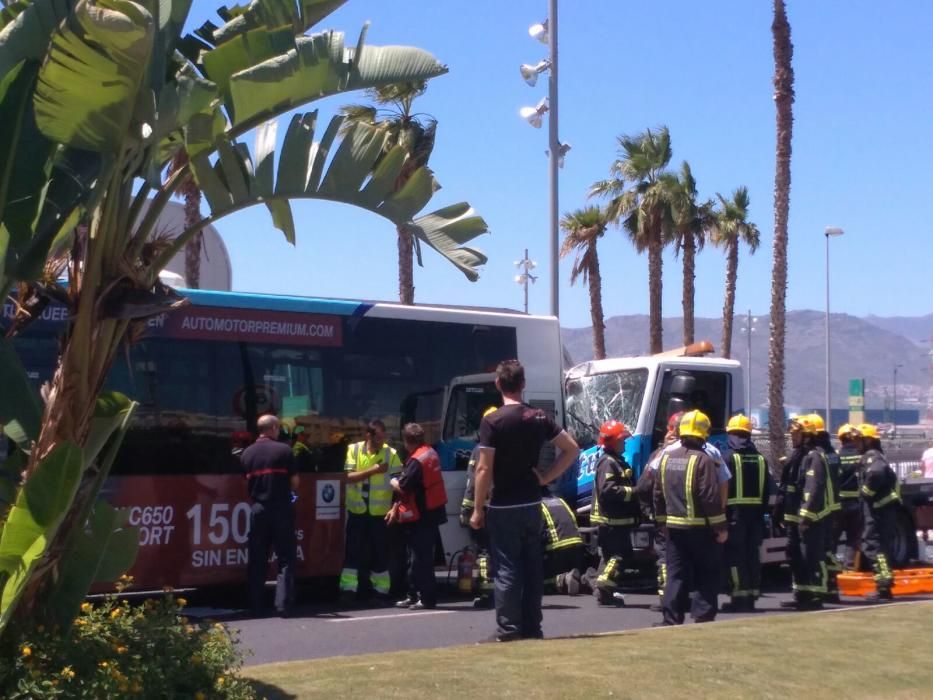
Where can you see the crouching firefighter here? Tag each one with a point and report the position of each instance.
(478, 538)
(879, 497)
(563, 546)
(749, 490)
(615, 512)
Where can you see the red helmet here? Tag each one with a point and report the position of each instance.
(673, 423)
(613, 431)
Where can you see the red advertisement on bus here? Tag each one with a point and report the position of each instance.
(193, 529)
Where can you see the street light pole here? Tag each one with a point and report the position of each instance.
(894, 411)
(830, 231)
(554, 155)
(526, 265)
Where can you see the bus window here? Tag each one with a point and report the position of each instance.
(683, 390)
(593, 400)
(174, 429)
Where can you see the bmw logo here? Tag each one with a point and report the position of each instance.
(328, 493)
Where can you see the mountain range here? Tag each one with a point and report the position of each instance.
(862, 348)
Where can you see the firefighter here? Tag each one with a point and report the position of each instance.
(849, 519)
(749, 490)
(563, 547)
(833, 469)
(645, 490)
(879, 495)
(369, 466)
(615, 511)
(479, 538)
(788, 501)
(815, 491)
(688, 503)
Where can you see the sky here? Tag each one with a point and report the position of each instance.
(862, 145)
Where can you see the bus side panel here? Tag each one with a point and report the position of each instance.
(193, 530)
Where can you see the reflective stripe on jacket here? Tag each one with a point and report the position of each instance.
(559, 529)
(749, 483)
(614, 502)
(880, 487)
(376, 489)
(687, 493)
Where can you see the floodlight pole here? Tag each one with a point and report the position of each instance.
(554, 157)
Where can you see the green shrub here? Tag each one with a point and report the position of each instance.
(118, 650)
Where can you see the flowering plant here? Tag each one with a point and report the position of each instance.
(116, 650)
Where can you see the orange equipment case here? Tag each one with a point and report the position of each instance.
(906, 582)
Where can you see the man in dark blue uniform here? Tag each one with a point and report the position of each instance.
(271, 479)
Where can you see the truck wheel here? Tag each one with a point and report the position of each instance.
(905, 539)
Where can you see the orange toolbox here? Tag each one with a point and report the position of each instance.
(906, 582)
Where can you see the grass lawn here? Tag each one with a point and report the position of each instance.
(858, 653)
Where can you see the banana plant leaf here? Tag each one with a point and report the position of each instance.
(33, 520)
(25, 29)
(349, 174)
(20, 411)
(88, 86)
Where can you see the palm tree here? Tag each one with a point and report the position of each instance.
(583, 228)
(638, 202)
(414, 132)
(784, 102)
(191, 194)
(731, 228)
(692, 222)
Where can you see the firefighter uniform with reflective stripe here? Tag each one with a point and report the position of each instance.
(879, 498)
(788, 507)
(749, 490)
(817, 503)
(849, 519)
(688, 502)
(368, 501)
(480, 537)
(615, 512)
(561, 541)
(833, 470)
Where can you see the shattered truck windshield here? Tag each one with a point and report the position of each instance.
(593, 400)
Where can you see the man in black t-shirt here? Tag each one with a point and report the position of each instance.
(510, 441)
(271, 477)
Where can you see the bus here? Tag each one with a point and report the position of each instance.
(202, 374)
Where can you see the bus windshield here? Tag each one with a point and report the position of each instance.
(593, 400)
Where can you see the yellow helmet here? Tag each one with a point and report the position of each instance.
(808, 423)
(867, 430)
(846, 430)
(739, 423)
(694, 424)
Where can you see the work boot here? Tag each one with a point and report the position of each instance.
(736, 605)
(604, 597)
(880, 596)
(406, 602)
(572, 581)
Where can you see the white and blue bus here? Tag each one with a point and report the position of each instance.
(203, 373)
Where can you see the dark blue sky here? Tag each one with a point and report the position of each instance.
(862, 149)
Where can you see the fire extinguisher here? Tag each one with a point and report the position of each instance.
(465, 571)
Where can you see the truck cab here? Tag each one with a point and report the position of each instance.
(643, 392)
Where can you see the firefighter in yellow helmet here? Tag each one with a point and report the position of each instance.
(879, 498)
(749, 491)
(849, 519)
(688, 503)
(815, 497)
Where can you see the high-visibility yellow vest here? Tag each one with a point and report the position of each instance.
(372, 495)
